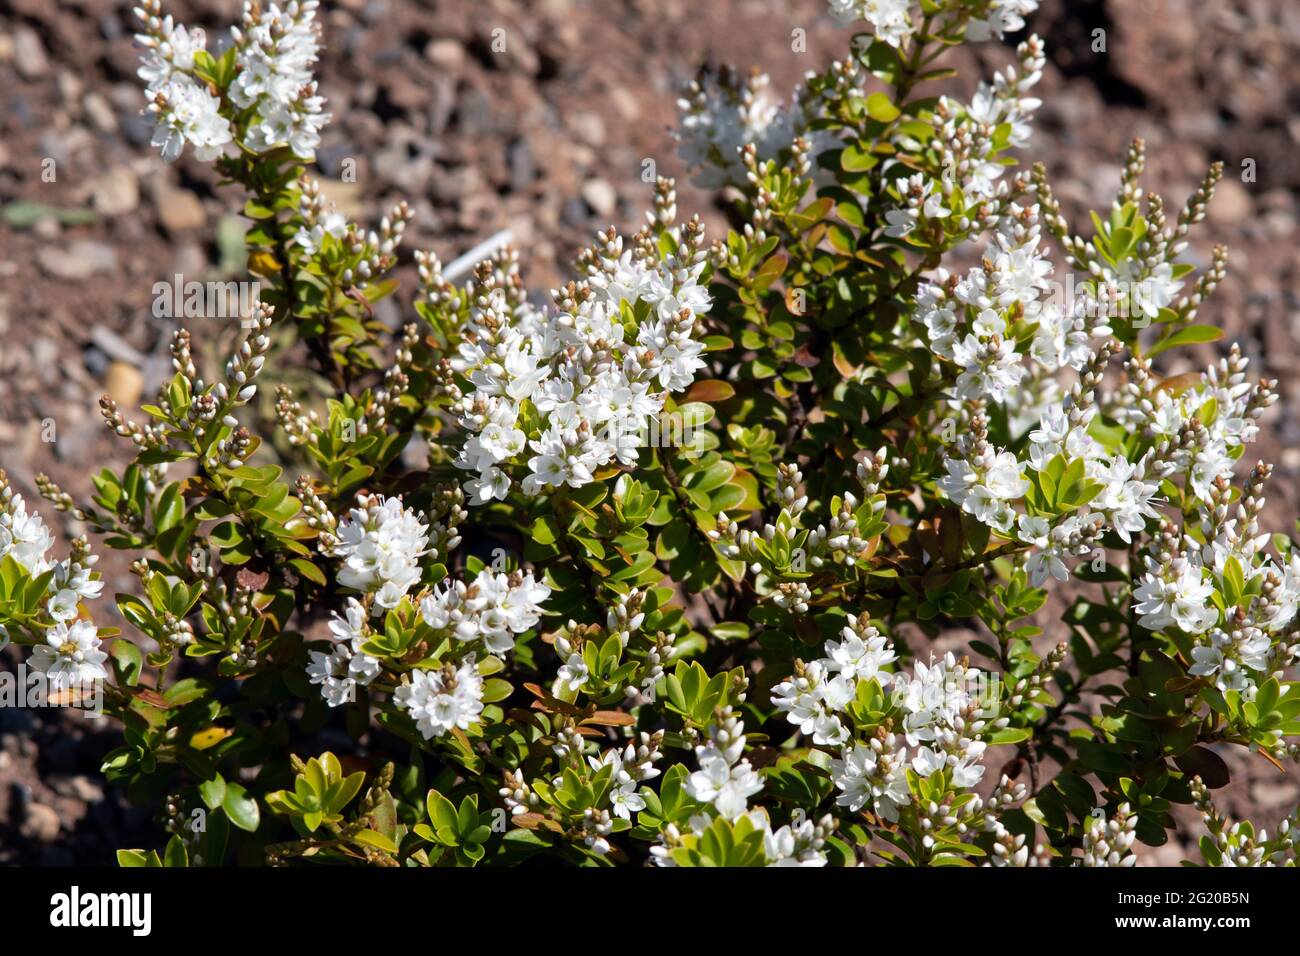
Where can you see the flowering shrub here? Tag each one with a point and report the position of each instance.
(667, 586)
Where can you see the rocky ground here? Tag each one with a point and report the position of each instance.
(547, 139)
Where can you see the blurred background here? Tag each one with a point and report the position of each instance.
(547, 139)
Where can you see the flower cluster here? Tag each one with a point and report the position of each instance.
(723, 113)
(380, 544)
(23, 534)
(1108, 842)
(1236, 599)
(346, 667)
(492, 609)
(273, 93)
(1110, 492)
(817, 693)
(725, 778)
(632, 766)
(943, 709)
(275, 49)
(70, 654)
(1200, 430)
(572, 390)
(1238, 843)
(890, 19)
(442, 700)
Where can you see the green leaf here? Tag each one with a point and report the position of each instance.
(855, 159)
(138, 858)
(128, 661)
(442, 813)
(241, 808)
(880, 108)
(1188, 335)
(213, 792)
(375, 839)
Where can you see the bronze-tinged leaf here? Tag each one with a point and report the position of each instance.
(360, 298)
(1205, 763)
(150, 697)
(804, 358)
(529, 821)
(710, 390)
(71, 697)
(842, 363)
(610, 718)
(253, 580)
(548, 704)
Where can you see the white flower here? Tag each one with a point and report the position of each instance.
(991, 367)
(62, 606)
(900, 222)
(187, 112)
(721, 114)
(1231, 657)
(891, 18)
(493, 610)
(330, 671)
(572, 674)
(1153, 291)
(1004, 16)
(70, 655)
(793, 845)
(380, 544)
(727, 787)
(624, 801)
(275, 49)
(440, 700)
(170, 53)
(800, 697)
(331, 224)
(869, 776)
(24, 537)
(1072, 536)
(76, 577)
(1175, 594)
(987, 488)
(1126, 498)
(859, 659)
(928, 761)
(597, 387)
